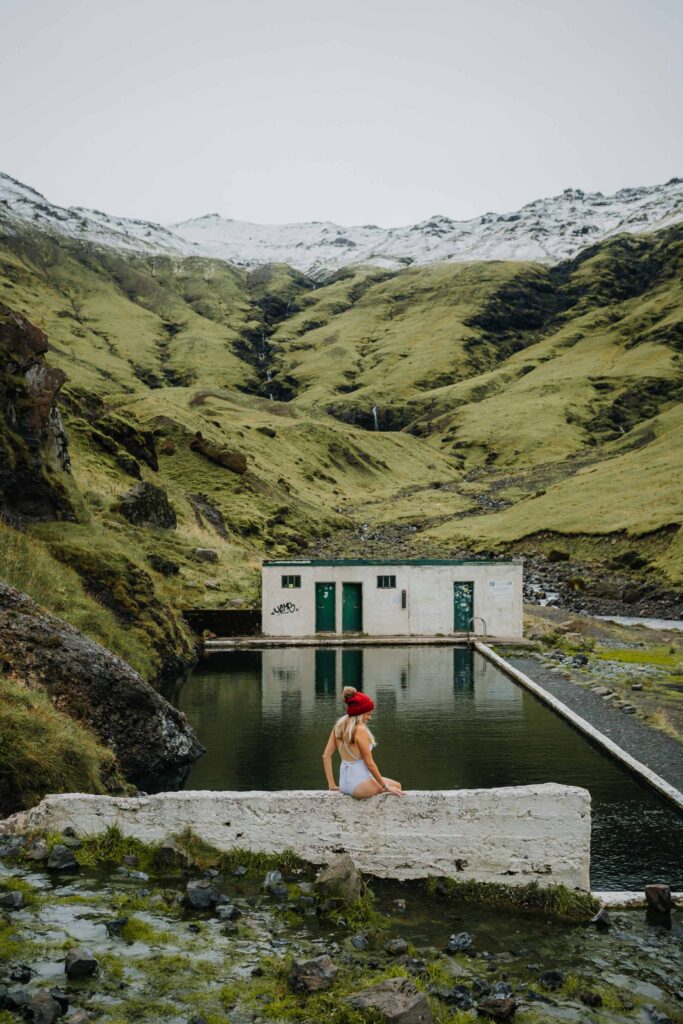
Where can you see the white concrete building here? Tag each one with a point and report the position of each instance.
(423, 597)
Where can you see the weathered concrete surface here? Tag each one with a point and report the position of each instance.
(512, 835)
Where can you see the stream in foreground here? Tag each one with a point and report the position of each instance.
(162, 963)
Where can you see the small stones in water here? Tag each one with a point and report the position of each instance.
(413, 965)
(79, 1017)
(502, 990)
(459, 943)
(44, 1008)
(12, 848)
(240, 871)
(16, 999)
(456, 996)
(227, 912)
(396, 947)
(11, 900)
(171, 856)
(602, 920)
(61, 859)
(659, 898)
(62, 998)
(312, 975)
(360, 941)
(80, 963)
(274, 885)
(201, 894)
(37, 851)
(590, 998)
(496, 1009)
(656, 1016)
(552, 980)
(21, 973)
(115, 928)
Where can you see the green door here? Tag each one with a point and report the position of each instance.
(352, 607)
(325, 608)
(463, 606)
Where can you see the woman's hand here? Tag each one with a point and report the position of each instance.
(395, 791)
(334, 789)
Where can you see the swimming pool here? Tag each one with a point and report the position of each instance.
(446, 718)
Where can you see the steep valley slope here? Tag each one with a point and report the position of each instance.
(489, 406)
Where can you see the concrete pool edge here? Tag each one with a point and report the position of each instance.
(628, 900)
(510, 835)
(673, 795)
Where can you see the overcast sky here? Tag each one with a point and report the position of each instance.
(357, 111)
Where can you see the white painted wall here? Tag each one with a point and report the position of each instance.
(429, 598)
(512, 835)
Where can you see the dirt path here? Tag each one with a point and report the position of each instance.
(661, 753)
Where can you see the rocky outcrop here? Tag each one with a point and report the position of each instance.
(147, 505)
(33, 444)
(151, 739)
(226, 457)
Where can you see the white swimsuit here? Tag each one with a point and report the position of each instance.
(353, 772)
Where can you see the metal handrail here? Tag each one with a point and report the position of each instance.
(476, 618)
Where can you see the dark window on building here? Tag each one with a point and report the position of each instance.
(386, 582)
(290, 582)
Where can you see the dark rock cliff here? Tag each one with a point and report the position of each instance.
(153, 742)
(34, 456)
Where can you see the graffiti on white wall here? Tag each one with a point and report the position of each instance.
(286, 608)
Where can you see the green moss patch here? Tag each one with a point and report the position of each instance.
(556, 900)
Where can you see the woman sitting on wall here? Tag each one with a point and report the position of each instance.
(359, 776)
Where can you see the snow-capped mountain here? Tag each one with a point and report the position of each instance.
(547, 230)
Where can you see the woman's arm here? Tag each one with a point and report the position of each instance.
(363, 744)
(327, 761)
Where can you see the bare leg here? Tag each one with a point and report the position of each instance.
(365, 789)
(371, 788)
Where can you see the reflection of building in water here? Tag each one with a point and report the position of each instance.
(407, 674)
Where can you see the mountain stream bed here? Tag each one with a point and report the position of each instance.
(159, 961)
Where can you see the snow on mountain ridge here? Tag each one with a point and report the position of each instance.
(548, 230)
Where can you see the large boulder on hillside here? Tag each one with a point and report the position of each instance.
(227, 457)
(34, 456)
(88, 682)
(147, 505)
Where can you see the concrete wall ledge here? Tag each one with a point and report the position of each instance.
(513, 835)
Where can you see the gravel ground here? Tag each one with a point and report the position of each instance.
(661, 753)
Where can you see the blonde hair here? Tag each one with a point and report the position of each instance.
(345, 727)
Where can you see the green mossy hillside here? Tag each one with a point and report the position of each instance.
(512, 400)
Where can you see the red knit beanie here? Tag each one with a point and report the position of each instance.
(358, 704)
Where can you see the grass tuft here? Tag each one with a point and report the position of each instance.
(45, 751)
(556, 900)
